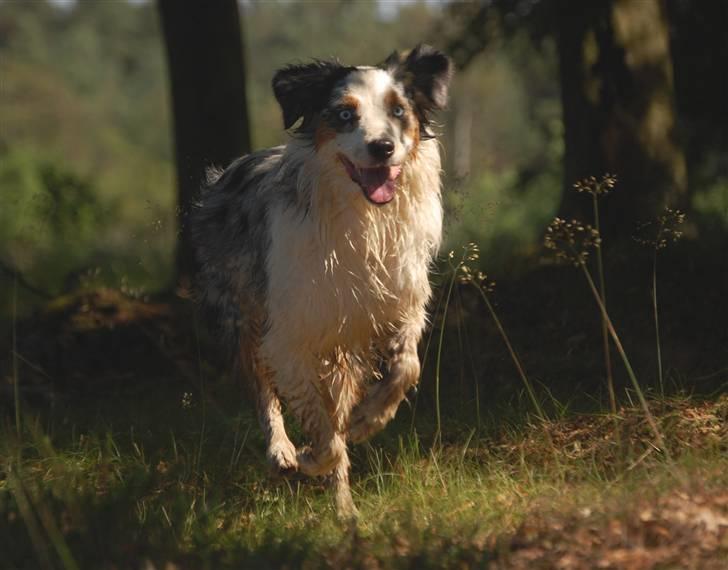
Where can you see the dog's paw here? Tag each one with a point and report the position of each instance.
(322, 461)
(364, 424)
(282, 457)
(346, 510)
(306, 462)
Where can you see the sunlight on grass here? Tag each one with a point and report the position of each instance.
(147, 499)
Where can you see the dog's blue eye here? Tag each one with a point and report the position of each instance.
(398, 111)
(345, 115)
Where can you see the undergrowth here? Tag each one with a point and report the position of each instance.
(175, 477)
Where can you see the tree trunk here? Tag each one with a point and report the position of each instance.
(618, 110)
(700, 60)
(207, 75)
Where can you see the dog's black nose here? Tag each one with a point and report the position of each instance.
(381, 149)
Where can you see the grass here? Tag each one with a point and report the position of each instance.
(91, 496)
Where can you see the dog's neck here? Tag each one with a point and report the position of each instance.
(360, 238)
(338, 207)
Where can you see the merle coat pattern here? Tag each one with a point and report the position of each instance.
(314, 256)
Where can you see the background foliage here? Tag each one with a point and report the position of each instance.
(84, 95)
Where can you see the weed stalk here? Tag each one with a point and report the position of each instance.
(603, 297)
(625, 360)
(514, 356)
(202, 397)
(597, 189)
(16, 387)
(657, 324)
(438, 423)
(29, 519)
(425, 356)
(668, 229)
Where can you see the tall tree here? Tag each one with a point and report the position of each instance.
(700, 59)
(618, 109)
(207, 74)
(617, 96)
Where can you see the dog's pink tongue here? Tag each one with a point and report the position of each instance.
(379, 183)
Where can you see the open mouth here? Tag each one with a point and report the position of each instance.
(378, 183)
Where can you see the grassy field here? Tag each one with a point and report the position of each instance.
(163, 479)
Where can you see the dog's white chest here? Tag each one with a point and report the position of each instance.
(344, 287)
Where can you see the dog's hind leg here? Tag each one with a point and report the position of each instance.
(383, 398)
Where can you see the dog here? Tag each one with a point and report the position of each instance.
(314, 256)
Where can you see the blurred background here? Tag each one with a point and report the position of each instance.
(87, 150)
(111, 110)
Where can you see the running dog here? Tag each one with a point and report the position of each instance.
(314, 256)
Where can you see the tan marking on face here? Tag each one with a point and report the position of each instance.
(349, 101)
(392, 100)
(325, 132)
(414, 132)
(410, 124)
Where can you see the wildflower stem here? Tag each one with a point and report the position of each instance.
(627, 365)
(202, 395)
(27, 514)
(438, 424)
(467, 349)
(16, 388)
(514, 356)
(425, 357)
(657, 323)
(605, 332)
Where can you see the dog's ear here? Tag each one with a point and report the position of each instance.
(426, 73)
(302, 90)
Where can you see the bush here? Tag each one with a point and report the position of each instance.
(51, 219)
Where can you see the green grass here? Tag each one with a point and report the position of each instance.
(97, 493)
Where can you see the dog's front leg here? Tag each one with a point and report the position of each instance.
(299, 383)
(403, 372)
(281, 453)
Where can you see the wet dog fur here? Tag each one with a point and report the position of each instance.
(314, 256)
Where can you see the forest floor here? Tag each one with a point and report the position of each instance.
(131, 450)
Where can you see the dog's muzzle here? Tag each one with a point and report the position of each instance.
(379, 183)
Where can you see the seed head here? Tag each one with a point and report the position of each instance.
(596, 187)
(471, 251)
(571, 241)
(479, 279)
(658, 233)
(466, 274)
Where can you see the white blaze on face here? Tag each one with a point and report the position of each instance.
(366, 134)
(375, 92)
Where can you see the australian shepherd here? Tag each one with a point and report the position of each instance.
(314, 256)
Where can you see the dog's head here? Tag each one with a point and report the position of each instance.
(369, 120)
